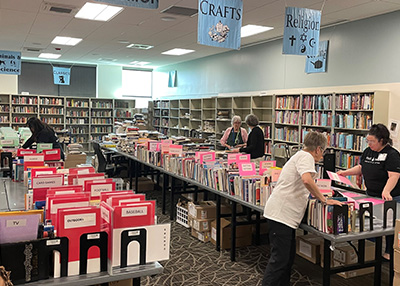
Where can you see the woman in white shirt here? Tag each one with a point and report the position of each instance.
(285, 208)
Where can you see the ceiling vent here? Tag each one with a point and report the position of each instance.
(35, 50)
(139, 46)
(180, 11)
(59, 8)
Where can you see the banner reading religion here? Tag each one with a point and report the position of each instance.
(219, 23)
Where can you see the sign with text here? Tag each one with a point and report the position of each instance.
(10, 62)
(316, 64)
(324, 186)
(148, 4)
(219, 23)
(247, 169)
(301, 31)
(240, 158)
(207, 156)
(176, 149)
(265, 165)
(61, 76)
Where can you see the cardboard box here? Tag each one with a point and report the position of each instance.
(243, 234)
(396, 260)
(202, 236)
(396, 244)
(308, 247)
(73, 160)
(203, 210)
(396, 278)
(200, 224)
(353, 273)
(127, 282)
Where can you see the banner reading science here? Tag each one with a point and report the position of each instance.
(61, 75)
(149, 4)
(301, 31)
(10, 62)
(219, 23)
(316, 64)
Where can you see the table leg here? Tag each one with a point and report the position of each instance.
(137, 168)
(164, 192)
(258, 228)
(326, 276)
(130, 173)
(136, 281)
(172, 194)
(233, 233)
(218, 225)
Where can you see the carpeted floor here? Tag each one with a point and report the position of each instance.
(193, 262)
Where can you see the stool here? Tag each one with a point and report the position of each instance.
(6, 164)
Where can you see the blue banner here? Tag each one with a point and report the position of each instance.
(219, 23)
(172, 78)
(301, 31)
(61, 75)
(316, 64)
(149, 4)
(10, 62)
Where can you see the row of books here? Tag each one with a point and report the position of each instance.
(78, 130)
(77, 103)
(360, 120)
(101, 104)
(102, 121)
(161, 104)
(287, 117)
(317, 102)
(24, 109)
(4, 108)
(120, 113)
(101, 113)
(54, 101)
(304, 132)
(267, 131)
(355, 101)
(287, 102)
(287, 134)
(346, 160)
(81, 113)
(24, 100)
(101, 129)
(18, 119)
(349, 141)
(51, 110)
(317, 118)
(4, 119)
(77, 121)
(53, 120)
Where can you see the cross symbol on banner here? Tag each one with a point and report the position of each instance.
(292, 39)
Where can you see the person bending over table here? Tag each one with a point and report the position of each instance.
(255, 141)
(380, 167)
(42, 133)
(287, 204)
(235, 136)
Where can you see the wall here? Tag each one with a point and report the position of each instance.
(109, 81)
(8, 83)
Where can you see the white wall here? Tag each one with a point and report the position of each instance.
(8, 84)
(109, 81)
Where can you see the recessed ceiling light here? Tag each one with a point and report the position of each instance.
(139, 46)
(250, 30)
(98, 12)
(138, 63)
(177, 52)
(49, 56)
(68, 41)
(168, 19)
(123, 41)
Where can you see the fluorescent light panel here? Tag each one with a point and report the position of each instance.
(49, 56)
(250, 30)
(177, 52)
(98, 12)
(67, 41)
(138, 63)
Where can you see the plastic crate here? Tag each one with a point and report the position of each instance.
(182, 216)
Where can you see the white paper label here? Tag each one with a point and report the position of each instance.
(93, 236)
(53, 242)
(208, 157)
(47, 182)
(16, 222)
(129, 201)
(105, 214)
(243, 157)
(79, 220)
(53, 152)
(134, 211)
(97, 189)
(26, 152)
(36, 158)
(64, 192)
(82, 172)
(305, 248)
(133, 233)
(7, 142)
(247, 167)
(44, 173)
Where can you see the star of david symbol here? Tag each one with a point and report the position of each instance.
(303, 37)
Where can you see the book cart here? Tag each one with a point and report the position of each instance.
(378, 220)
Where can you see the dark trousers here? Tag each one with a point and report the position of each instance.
(283, 249)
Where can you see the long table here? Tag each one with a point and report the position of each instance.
(329, 239)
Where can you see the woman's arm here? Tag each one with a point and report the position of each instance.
(312, 187)
(28, 143)
(390, 184)
(225, 137)
(356, 170)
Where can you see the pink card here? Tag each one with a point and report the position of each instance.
(374, 201)
(232, 158)
(176, 149)
(165, 148)
(152, 146)
(265, 165)
(338, 178)
(207, 157)
(247, 169)
(275, 173)
(324, 185)
(350, 195)
(243, 158)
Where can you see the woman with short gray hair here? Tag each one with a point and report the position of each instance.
(235, 136)
(255, 142)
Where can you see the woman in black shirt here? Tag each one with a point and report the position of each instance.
(42, 133)
(380, 167)
(255, 141)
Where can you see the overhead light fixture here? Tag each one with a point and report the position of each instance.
(49, 56)
(250, 30)
(177, 52)
(67, 41)
(98, 12)
(139, 46)
(138, 63)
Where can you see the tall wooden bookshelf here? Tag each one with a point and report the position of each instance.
(123, 109)
(77, 120)
(101, 117)
(5, 110)
(51, 111)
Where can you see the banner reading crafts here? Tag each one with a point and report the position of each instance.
(10, 62)
(219, 23)
(61, 75)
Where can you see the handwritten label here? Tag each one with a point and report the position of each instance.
(247, 169)
(153, 146)
(33, 158)
(97, 189)
(137, 211)
(243, 157)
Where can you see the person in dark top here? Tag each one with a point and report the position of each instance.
(380, 167)
(255, 141)
(42, 133)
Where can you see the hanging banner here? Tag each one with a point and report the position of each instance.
(316, 64)
(61, 75)
(10, 62)
(149, 4)
(301, 31)
(172, 78)
(219, 23)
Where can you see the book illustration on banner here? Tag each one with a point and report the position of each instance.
(218, 32)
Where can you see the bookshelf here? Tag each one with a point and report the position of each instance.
(101, 117)
(77, 120)
(51, 111)
(124, 109)
(5, 110)
(23, 107)
(174, 117)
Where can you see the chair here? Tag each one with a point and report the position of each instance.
(104, 166)
(6, 164)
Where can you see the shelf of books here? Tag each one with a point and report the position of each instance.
(51, 111)
(5, 110)
(123, 109)
(77, 120)
(23, 107)
(101, 117)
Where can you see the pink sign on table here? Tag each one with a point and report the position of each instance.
(153, 146)
(232, 158)
(247, 169)
(265, 165)
(324, 185)
(275, 173)
(207, 157)
(176, 149)
(240, 158)
(350, 195)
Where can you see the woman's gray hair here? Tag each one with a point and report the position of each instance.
(251, 120)
(314, 139)
(236, 118)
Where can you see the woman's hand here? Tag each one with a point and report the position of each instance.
(333, 202)
(235, 150)
(341, 173)
(386, 196)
